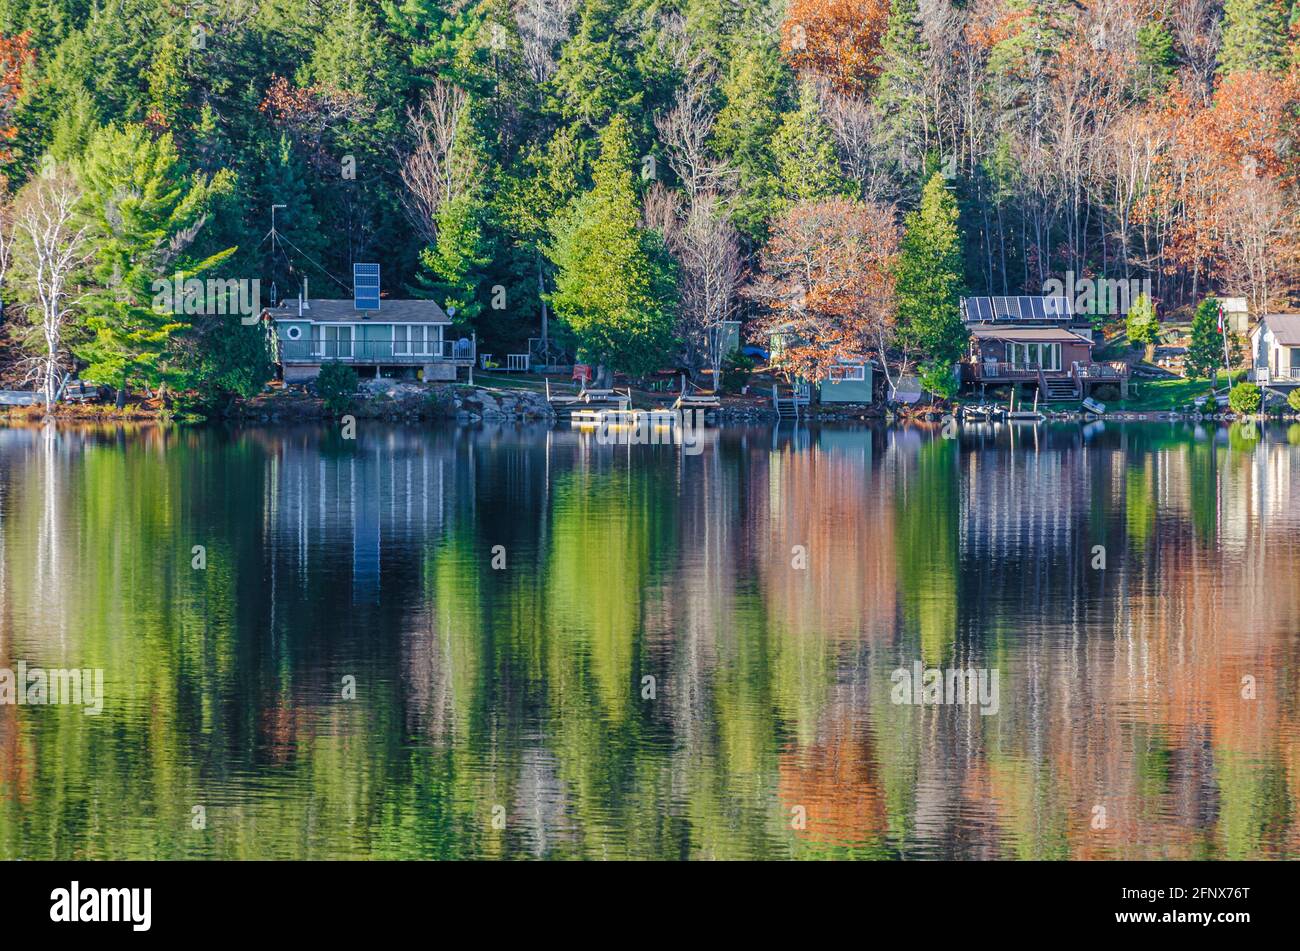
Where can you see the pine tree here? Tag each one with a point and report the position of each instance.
(929, 278)
(142, 213)
(1205, 352)
(614, 286)
(1254, 35)
(900, 89)
(753, 91)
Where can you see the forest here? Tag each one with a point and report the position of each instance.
(632, 172)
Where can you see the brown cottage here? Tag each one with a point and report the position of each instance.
(1035, 340)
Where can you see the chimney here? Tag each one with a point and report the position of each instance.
(300, 302)
(306, 294)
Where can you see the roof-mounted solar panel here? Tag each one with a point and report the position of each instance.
(365, 286)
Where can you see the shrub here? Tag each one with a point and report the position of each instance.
(1244, 399)
(336, 384)
(1106, 393)
(1293, 400)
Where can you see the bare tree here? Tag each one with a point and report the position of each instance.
(52, 248)
(854, 123)
(1197, 30)
(543, 25)
(433, 171)
(687, 129)
(706, 247)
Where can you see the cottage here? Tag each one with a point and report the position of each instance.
(412, 337)
(1275, 351)
(1034, 340)
(849, 381)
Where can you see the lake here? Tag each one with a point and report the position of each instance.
(1053, 642)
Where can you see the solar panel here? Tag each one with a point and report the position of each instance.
(1001, 307)
(1036, 306)
(985, 308)
(365, 286)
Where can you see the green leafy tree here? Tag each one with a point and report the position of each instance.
(929, 277)
(1205, 352)
(1293, 399)
(614, 285)
(1254, 35)
(142, 212)
(452, 270)
(1142, 324)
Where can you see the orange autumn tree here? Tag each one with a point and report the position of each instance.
(838, 39)
(827, 282)
(15, 56)
(1227, 175)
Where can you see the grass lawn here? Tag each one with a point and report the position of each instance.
(1165, 395)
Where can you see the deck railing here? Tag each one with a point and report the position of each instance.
(1280, 375)
(461, 352)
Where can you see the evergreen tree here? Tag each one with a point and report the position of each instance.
(900, 88)
(1254, 35)
(614, 286)
(1158, 57)
(597, 76)
(929, 278)
(1205, 352)
(142, 213)
(754, 91)
(806, 164)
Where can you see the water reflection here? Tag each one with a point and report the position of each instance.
(675, 656)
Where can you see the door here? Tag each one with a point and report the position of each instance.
(338, 343)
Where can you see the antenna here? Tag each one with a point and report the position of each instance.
(274, 236)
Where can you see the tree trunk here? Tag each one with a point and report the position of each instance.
(121, 398)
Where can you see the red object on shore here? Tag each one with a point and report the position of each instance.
(582, 371)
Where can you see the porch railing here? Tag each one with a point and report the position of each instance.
(461, 352)
(1280, 375)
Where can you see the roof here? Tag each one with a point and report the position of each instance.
(1030, 335)
(322, 311)
(1285, 327)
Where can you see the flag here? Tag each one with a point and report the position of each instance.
(1220, 317)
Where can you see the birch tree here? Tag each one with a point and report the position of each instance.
(52, 249)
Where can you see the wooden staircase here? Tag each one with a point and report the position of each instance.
(1058, 389)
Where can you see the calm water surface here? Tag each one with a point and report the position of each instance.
(1146, 709)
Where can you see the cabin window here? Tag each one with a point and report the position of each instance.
(411, 338)
(848, 373)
